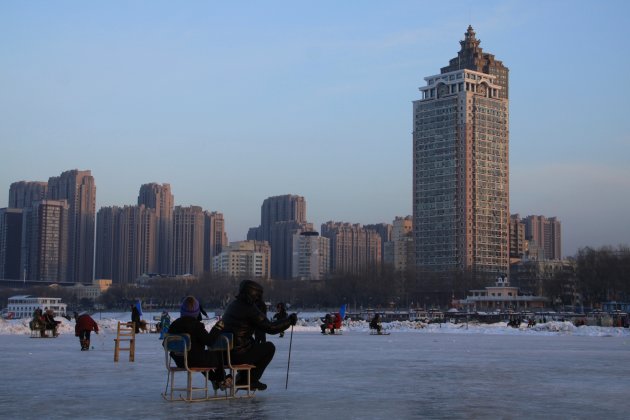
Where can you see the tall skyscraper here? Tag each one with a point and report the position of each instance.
(518, 244)
(280, 218)
(45, 232)
(10, 243)
(188, 240)
(215, 237)
(23, 193)
(78, 189)
(160, 198)
(544, 233)
(461, 167)
(126, 243)
(385, 232)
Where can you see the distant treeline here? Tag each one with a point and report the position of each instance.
(600, 275)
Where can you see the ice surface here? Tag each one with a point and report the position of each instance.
(553, 371)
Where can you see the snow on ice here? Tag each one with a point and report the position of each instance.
(553, 370)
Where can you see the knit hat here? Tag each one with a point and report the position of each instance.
(190, 307)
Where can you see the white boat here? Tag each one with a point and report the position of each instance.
(23, 306)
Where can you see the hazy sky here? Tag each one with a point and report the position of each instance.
(233, 102)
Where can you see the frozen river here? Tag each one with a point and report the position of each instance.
(408, 374)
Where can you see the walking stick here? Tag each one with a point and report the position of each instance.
(286, 385)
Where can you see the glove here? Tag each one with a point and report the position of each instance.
(293, 318)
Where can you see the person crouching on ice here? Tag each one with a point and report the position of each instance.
(242, 318)
(375, 324)
(83, 327)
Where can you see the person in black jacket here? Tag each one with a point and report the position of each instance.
(198, 356)
(242, 318)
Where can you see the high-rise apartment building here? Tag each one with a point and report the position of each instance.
(518, 244)
(127, 244)
(215, 237)
(160, 198)
(384, 230)
(311, 256)
(461, 168)
(399, 251)
(45, 233)
(22, 194)
(353, 249)
(10, 243)
(546, 234)
(280, 218)
(78, 189)
(188, 240)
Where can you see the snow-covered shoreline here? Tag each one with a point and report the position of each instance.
(309, 322)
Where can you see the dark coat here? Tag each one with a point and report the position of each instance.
(199, 339)
(85, 323)
(242, 318)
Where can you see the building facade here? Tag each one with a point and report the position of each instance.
(11, 243)
(244, 259)
(461, 168)
(353, 249)
(399, 251)
(215, 237)
(45, 241)
(546, 234)
(188, 240)
(127, 245)
(518, 243)
(23, 193)
(311, 256)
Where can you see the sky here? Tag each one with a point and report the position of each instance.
(234, 102)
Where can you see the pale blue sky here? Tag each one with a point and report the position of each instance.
(233, 102)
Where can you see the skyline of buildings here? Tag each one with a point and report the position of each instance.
(127, 244)
(460, 199)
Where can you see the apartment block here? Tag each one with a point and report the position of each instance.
(244, 259)
(79, 191)
(353, 249)
(188, 240)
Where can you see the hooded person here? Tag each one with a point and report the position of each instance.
(83, 327)
(243, 318)
(198, 356)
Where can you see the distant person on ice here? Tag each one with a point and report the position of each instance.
(281, 313)
(198, 356)
(165, 322)
(136, 313)
(49, 320)
(327, 323)
(83, 327)
(375, 323)
(242, 318)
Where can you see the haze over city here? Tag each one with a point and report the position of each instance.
(233, 103)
